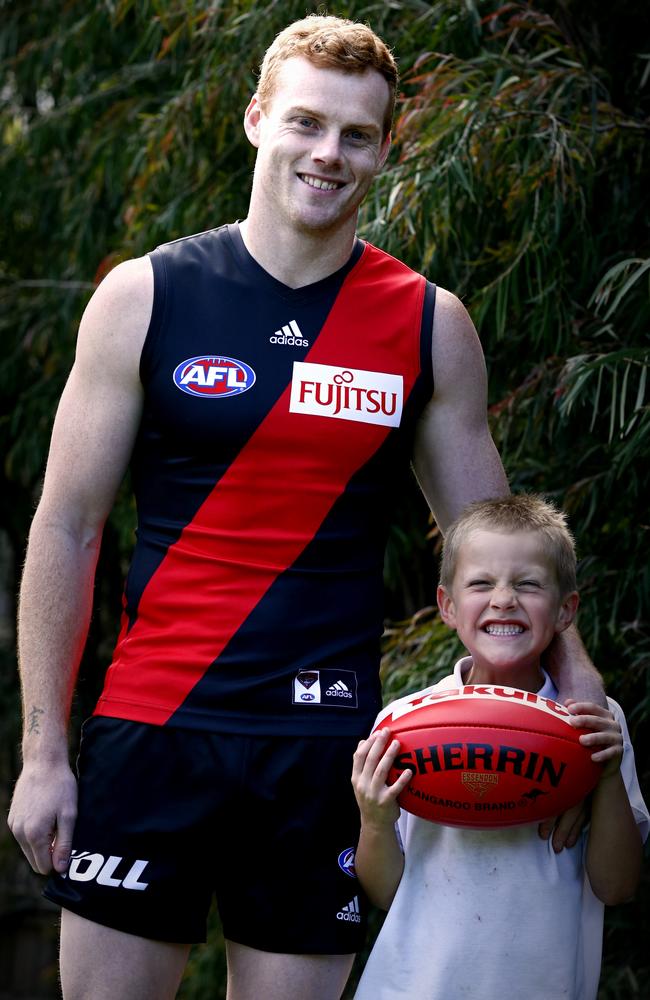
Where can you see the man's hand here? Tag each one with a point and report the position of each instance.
(565, 829)
(43, 813)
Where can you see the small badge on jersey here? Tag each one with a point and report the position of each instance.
(346, 862)
(213, 376)
(347, 393)
(326, 687)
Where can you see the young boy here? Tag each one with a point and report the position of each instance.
(487, 914)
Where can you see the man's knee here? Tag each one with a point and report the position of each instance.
(253, 974)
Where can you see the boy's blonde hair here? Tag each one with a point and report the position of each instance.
(519, 512)
(332, 43)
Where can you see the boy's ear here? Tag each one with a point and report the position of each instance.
(567, 612)
(446, 607)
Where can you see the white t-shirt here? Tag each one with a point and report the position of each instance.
(492, 914)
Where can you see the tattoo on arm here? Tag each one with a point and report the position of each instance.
(34, 720)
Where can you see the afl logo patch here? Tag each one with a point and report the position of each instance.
(213, 376)
(346, 862)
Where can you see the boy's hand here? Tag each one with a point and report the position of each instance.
(372, 761)
(606, 737)
(607, 740)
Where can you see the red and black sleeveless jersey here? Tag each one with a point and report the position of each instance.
(277, 431)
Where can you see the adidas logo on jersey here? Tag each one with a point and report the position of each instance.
(350, 912)
(339, 690)
(290, 334)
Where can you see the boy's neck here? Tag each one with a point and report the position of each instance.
(530, 677)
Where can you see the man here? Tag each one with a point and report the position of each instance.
(270, 382)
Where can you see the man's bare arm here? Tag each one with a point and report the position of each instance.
(92, 439)
(456, 463)
(454, 457)
(574, 674)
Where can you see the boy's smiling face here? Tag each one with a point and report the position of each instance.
(506, 606)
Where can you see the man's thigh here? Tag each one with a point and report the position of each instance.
(100, 963)
(166, 817)
(253, 974)
(146, 795)
(291, 886)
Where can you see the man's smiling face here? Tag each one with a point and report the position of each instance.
(320, 143)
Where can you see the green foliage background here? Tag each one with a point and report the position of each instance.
(518, 180)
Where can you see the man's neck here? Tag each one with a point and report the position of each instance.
(297, 258)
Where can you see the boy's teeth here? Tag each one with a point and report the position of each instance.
(503, 629)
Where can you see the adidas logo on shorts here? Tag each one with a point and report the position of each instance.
(339, 690)
(350, 912)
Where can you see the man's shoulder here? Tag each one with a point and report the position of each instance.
(205, 237)
(376, 253)
(129, 278)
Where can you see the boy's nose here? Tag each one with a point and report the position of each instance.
(503, 597)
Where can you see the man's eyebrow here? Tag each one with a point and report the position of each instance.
(313, 113)
(299, 110)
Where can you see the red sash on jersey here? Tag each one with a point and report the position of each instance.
(263, 513)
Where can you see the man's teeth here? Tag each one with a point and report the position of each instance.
(316, 182)
(503, 629)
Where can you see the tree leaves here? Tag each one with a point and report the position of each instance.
(518, 179)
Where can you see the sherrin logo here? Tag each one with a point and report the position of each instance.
(347, 393)
(214, 376)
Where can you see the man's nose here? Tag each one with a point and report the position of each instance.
(328, 148)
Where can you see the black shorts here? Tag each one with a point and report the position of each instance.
(167, 817)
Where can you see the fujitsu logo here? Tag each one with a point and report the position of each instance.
(347, 393)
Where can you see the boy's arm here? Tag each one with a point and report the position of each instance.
(379, 861)
(614, 847)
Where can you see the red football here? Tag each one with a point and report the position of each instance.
(488, 756)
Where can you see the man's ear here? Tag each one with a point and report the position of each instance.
(446, 607)
(567, 611)
(252, 117)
